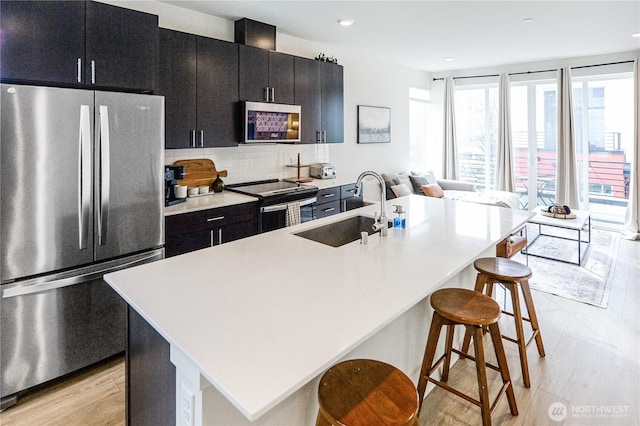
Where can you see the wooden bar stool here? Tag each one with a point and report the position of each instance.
(456, 306)
(364, 392)
(511, 274)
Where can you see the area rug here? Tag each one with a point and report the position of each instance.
(589, 283)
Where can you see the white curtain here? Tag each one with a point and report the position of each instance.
(505, 173)
(632, 217)
(567, 167)
(450, 154)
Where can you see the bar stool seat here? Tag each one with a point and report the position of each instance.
(511, 274)
(456, 306)
(365, 392)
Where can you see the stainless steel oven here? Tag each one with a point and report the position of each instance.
(274, 198)
(275, 216)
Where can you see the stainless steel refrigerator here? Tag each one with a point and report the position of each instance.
(81, 195)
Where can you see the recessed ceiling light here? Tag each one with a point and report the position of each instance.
(346, 22)
(636, 35)
(527, 20)
(448, 59)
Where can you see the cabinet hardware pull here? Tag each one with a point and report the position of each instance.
(192, 134)
(211, 238)
(318, 137)
(219, 236)
(272, 94)
(201, 138)
(329, 195)
(265, 94)
(79, 77)
(213, 219)
(324, 136)
(330, 209)
(93, 72)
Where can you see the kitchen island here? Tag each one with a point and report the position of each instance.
(254, 323)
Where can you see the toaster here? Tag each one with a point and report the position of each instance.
(322, 171)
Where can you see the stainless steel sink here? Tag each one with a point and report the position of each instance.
(337, 234)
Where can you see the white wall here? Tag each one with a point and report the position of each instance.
(366, 82)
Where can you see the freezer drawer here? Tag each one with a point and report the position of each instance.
(48, 334)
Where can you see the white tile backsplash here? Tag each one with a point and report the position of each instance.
(246, 163)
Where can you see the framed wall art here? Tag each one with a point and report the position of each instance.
(374, 124)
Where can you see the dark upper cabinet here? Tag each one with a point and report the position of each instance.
(199, 79)
(177, 83)
(75, 43)
(332, 102)
(265, 76)
(307, 90)
(319, 91)
(42, 41)
(121, 47)
(218, 107)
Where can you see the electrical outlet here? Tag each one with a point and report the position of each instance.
(186, 406)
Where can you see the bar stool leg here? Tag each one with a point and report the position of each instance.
(481, 371)
(520, 339)
(448, 349)
(432, 341)
(496, 338)
(528, 300)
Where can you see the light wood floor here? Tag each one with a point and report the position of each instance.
(592, 364)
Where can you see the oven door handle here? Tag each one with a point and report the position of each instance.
(281, 207)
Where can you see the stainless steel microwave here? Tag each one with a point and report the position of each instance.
(268, 122)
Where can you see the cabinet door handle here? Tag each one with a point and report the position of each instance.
(93, 72)
(329, 195)
(265, 94)
(192, 134)
(79, 76)
(272, 94)
(219, 236)
(330, 209)
(213, 219)
(324, 136)
(211, 238)
(318, 137)
(201, 138)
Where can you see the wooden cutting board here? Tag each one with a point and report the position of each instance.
(200, 171)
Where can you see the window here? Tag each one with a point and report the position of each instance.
(603, 119)
(476, 119)
(534, 135)
(418, 106)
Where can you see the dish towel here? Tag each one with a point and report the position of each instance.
(293, 214)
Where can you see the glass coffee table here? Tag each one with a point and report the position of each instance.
(581, 224)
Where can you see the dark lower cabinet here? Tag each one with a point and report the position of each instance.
(79, 44)
(194, 231)
(348, 199)
(150, 375)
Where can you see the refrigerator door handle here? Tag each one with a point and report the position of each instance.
(105, 176)
(84, 176)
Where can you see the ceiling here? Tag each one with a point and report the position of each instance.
(476, 34)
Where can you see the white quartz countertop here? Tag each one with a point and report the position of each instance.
(208, 201)
(263, 316)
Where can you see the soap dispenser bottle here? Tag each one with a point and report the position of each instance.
(399, 221)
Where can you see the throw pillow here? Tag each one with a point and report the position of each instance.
(431, 178)
(401, 190)
(389, 181)
(417, 182)
(433, 190)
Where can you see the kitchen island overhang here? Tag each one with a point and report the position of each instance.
(261, 318)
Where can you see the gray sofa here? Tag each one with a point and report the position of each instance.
(400, 184)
